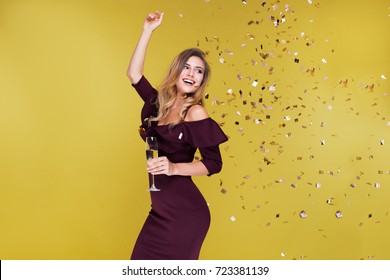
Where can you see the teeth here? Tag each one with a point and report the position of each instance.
(188, 81)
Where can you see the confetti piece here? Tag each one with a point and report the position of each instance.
(303, 214)
(318, 185)
(221, 60)
(233, 219)
(324, 61)
(180, 135)
(223, 191)
(283, 254)
(383, 77)
(180, 15)
(254, 84)
(377, 185)
(230, 91)
(229, 52)
(322, 142)
(310, 1)
(287, 118)
(338, 214)
(330, 201)
(382, 142)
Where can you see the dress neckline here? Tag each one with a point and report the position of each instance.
(168, 124)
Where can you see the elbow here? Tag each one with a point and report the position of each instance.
(133, 77)
(213, 167)
(218, 167)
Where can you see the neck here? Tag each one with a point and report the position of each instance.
(178, 102)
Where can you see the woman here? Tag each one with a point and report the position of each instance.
(179, 219)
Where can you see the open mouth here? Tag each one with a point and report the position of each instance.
(189, 82)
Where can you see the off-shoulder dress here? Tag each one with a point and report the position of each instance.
(179, 218)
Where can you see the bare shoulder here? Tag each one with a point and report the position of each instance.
(196, 113)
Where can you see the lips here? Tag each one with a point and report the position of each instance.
(189, 82)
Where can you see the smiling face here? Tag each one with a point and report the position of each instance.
(191, 76)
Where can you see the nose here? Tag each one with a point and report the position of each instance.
(191, 72)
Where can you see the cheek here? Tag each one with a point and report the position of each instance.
(200, 79)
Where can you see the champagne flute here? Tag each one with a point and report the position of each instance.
(152, 152)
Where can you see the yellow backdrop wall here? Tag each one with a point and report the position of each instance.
(300, 87)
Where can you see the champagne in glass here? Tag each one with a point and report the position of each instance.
(152, 152)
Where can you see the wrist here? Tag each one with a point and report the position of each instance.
(174, 169)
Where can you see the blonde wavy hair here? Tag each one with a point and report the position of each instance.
(167, 91)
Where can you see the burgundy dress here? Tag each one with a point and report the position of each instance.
(179, 219)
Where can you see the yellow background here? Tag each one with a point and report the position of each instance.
(72, 168)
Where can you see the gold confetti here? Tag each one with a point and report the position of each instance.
(330, 201)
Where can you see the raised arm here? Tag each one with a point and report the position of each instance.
(136, 65)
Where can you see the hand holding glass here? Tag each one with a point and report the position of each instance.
(152, 152)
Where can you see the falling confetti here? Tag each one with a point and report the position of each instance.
(271, 88)
(272, 115)
(338, 214)
(330, 201)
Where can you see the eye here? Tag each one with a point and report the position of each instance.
(200, 71)
(186, 67)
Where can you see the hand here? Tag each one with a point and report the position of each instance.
(153, 20)
(160, 165)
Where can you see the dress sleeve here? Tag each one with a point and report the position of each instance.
(149, 95)
(211, 158)
(206, 135)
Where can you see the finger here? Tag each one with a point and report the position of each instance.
(160, 17)
(159, 169)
